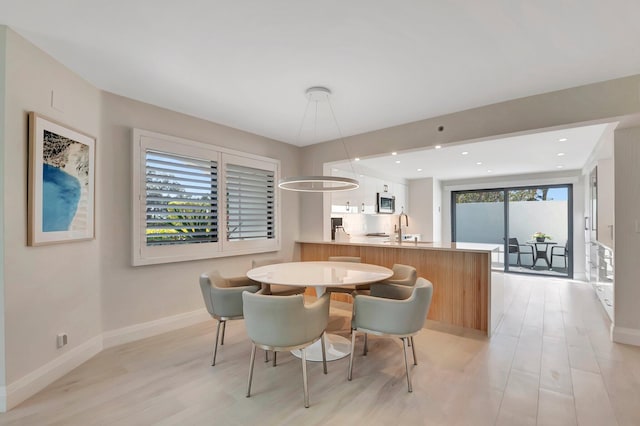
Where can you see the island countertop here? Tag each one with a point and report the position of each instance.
(468, 289)
(449, 246)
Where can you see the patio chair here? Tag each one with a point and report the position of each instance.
(519, 249)
(560, 251)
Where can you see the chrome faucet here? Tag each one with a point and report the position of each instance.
(406, 220)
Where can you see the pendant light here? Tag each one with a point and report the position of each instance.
(319, 183)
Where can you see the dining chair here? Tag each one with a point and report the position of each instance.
(285, 324)
(402, 275)
(519, 249)
(223, 298)
(275, 289)
(347, 289)
(392, 310)
(560, 251)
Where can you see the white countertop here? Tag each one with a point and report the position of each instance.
(470, 247)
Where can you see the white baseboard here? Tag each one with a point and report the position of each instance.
(38, 379)
(629, 336)
(152, 328)
(32, 383)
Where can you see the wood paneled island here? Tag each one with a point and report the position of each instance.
(466, 291)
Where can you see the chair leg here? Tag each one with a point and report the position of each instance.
(253, 358)
(274, 358)
(413, 349)
(266, 355)
(224, 328)
(366, 346)
(406, 364)
(353, 349)
(324, 353)
(304, 377)
(215, 347)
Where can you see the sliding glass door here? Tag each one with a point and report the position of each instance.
(532, 224)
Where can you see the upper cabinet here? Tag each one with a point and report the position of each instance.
(363, 199)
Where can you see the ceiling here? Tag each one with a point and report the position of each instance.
(247, 64)
(553, 151)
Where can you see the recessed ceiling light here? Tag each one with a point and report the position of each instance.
(559, 166)
(465, 152)
(397, 161)
(394, 153)
(560, 154)
(419, 170)
(563, 140)
(357, 159)
(479, 163)
(361, 175)
(438, 146)
(489, 171)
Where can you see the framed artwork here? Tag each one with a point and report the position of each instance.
(61, 183)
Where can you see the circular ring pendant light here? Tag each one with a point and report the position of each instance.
(319, 183)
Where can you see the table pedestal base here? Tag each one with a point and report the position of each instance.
(337, 347)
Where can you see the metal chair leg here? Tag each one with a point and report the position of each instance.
(406, 364)
(324, 354)
(366, 346)
(304, 377)
(413, 349)
(274, 358)
(253, 358)
(215, 347)
(353, 349)
(224, 328)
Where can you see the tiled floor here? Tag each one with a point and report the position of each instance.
(551, 362)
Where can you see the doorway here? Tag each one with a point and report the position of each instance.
(533, 224)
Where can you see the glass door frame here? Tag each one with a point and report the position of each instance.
(505, 203)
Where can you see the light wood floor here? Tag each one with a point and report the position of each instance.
(551, 362)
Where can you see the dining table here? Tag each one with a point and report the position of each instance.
(321, 275)
(541, 251)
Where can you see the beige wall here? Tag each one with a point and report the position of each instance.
(87, 288)
(47, 289)
(421, 208)
(3, 40)
(627, 235)
(132, 295)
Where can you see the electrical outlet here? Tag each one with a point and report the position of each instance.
(62, 340)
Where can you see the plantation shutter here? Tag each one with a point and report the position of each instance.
(181, 199)
(250, 203)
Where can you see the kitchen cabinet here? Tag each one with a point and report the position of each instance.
(363, 199)
(601, 274)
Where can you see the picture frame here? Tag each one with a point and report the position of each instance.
(61, 199)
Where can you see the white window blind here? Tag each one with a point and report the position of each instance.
(181, 199)
(250, 203)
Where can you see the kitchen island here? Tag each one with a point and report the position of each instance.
(467, 277)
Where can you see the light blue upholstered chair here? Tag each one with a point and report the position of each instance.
(392, 310)
(284, 324)
(223, 298)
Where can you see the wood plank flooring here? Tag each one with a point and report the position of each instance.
(550, 363)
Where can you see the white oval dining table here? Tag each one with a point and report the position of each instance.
(321, 275)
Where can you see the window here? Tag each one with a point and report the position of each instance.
(180, 188)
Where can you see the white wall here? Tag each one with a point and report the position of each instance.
(606, 190)
(421, 210)
(627, 235)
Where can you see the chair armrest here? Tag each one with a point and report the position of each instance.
(391, 291)
(241, 281)
(317, 315)
(386, 316)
